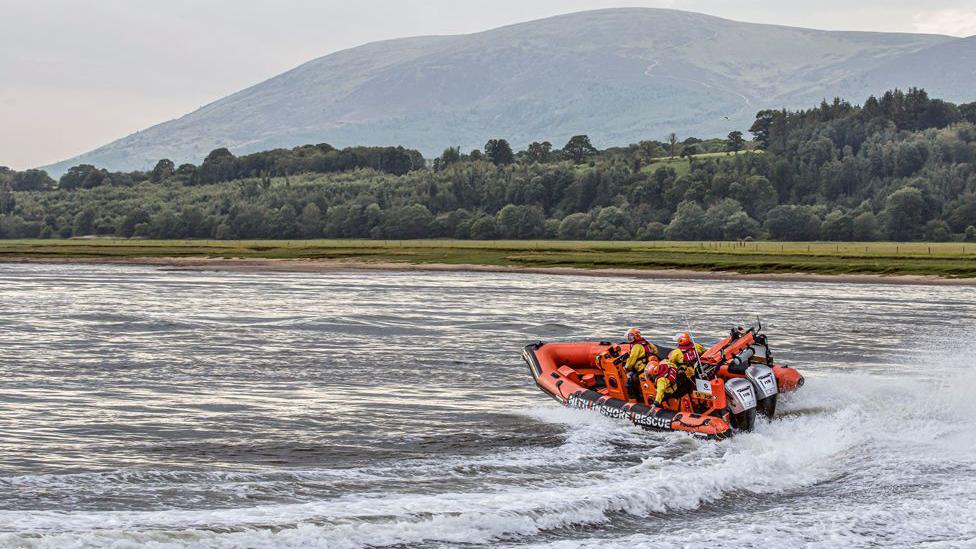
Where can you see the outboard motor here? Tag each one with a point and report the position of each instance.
(764, 382)
(742, 403)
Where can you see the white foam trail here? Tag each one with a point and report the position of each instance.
(944, 519)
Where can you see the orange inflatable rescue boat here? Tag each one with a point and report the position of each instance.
(735, 380)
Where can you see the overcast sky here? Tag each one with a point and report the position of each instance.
(76, 74)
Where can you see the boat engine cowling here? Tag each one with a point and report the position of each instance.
(764, 383)
(742, 403)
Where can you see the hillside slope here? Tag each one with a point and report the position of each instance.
(946, 70)
(619, 75)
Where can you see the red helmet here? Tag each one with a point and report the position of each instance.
(684, 341)
(633, 335)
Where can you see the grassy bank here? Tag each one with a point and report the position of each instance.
(682, 165)
(937, 259)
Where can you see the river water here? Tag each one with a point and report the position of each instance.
(141, 407)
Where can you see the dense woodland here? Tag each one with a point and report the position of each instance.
(900, 167)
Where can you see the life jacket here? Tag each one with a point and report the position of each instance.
(671, 374)
(690, 356)
(648, 350)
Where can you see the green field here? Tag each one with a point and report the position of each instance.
(682, 166)
(936, 259)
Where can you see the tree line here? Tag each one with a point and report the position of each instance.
(901, 166)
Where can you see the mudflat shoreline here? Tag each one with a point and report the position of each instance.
(336, 265)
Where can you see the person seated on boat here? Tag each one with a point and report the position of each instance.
(642, 352)
(664, 377)
(686, 357)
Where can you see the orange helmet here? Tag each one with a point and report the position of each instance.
(633, 335)
(684, 341)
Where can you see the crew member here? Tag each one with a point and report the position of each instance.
(687, 356)
(642, 352)
(686, 359)
(665, 379)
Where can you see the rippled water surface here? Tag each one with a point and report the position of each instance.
(151, 408)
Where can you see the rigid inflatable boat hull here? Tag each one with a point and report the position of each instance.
(556, 368)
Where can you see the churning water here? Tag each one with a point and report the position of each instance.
(150, 408)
